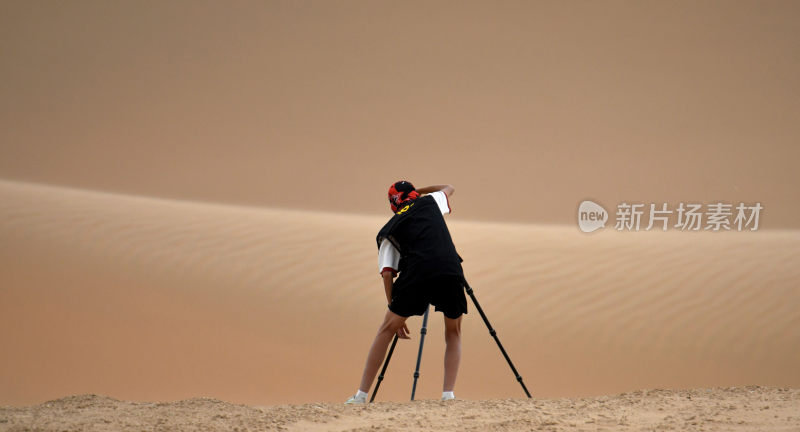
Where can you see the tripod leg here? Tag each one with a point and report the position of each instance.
(494, 335)
(383, 370)
(419, 354)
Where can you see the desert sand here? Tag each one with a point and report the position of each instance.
(190, 191)
(537, 104)
(149, 299)
(723, 409)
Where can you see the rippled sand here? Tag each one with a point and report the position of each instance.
(147, 299)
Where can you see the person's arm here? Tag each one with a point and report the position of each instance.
(447, 189)
(388, 277)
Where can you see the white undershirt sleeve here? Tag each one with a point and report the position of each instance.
(442, 201)
(388, 257)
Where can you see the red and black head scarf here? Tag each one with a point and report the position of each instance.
(400, 194)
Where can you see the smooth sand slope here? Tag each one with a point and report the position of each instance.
(146, 299)
(537, 104)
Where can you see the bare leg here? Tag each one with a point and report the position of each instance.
(452, 354)
(391, 324)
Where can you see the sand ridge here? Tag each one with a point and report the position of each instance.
(744, 408)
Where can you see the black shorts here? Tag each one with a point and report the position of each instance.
(446, 293)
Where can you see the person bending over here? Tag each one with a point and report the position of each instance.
(416, 244)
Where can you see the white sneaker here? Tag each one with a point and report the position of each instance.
(356, 400)
(448, 397)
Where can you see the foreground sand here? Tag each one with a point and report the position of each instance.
(744, 408)
(147, 299)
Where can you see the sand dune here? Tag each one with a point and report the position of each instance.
(150, 299)
(538, 104)
(748, 408)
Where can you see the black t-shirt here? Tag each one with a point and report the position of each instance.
(420, 234)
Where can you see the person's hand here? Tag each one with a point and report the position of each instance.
(403, 332)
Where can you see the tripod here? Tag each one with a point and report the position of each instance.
(424, 330)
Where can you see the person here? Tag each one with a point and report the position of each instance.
(416, 244)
